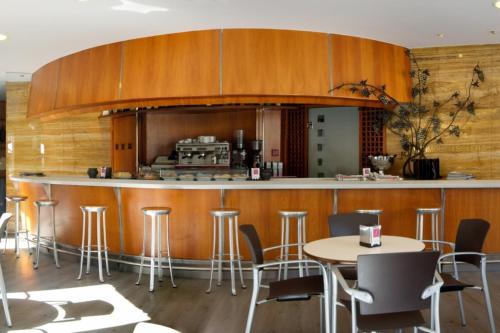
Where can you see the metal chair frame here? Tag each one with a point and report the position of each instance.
(3, 221)
(484, 281)
(357, 295)
(257, 272)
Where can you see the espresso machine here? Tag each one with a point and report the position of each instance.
(239, 154)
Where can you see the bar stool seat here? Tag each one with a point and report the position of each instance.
(52, 204)
(220, 215)
(286, 215)
(434, 214)
(155, 213)
(100, 212)
(17, 200)
(376, 212)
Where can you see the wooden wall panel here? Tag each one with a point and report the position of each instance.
(123, 145)
(184, 64)
(399, 215)
(274, 62)
(164, 129)
(90, 76)
(355, 59)
(478, 148)
(474, 203)
(43, 89)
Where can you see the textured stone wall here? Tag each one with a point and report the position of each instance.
(478, 148)
(71, 144)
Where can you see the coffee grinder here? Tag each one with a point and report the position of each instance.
(239, 154)
(256, 157)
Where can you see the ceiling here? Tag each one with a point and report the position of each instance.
(40, 31)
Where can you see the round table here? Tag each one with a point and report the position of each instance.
(346, 249)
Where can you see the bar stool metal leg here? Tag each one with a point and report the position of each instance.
(299, 247)
(214, 238)
(281, 248)
(26, 234)
(37, 237)
(143, 250)
(159, 249)
(238, 252)
(304, 240)
(82, 250)
(168, 253)
(89, 247)
(16, 235)
(231, 255)
(152, 269)
(287, 249)
(105, 245)
(54, 244)
(221, 250)
(99, 255)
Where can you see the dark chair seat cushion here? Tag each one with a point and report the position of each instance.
(389, 321)
(452, 284)
(296, 288)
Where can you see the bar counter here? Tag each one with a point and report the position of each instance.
(259, 202)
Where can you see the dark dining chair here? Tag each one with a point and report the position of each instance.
(392, 290)
(467, 248)
(348, 225)
(294, 289)
(3, 223)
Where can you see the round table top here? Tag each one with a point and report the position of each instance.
(347, 249)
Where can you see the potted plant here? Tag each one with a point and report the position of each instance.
(422, 121)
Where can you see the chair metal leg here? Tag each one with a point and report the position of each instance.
(105, 243)
(82, 249)
(214, 239)
(99, 254)
(143, 250)
(487, 299)
(354, 324)
(281, 248)
(54, 244)
(220, 221)
(231, 255)
(243, 286)
(461, 307)
(168, 253)
(35, 266)
(253, 302)
(89, 240)
(158, 229)
(4, 299)
(152, 269)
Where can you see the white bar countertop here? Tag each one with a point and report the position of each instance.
(274, 184)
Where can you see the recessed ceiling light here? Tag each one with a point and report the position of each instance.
(441, 35)
(136, 7)
(3, 37)
(497, 4)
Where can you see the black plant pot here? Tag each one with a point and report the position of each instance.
(426, 168)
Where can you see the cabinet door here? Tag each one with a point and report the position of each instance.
(274, 62)
(124, 146)
(355, 59)
(90, 76)
(176, 65)
(43, 89)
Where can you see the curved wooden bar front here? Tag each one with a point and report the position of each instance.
(259, 202)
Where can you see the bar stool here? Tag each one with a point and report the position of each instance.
(219, 216)
(434, 214)
(376, 212)
(100, 212)
(286, 215)
(51, 204)
(17, 200)
(155, 213)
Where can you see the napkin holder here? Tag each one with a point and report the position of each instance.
(370, 236)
